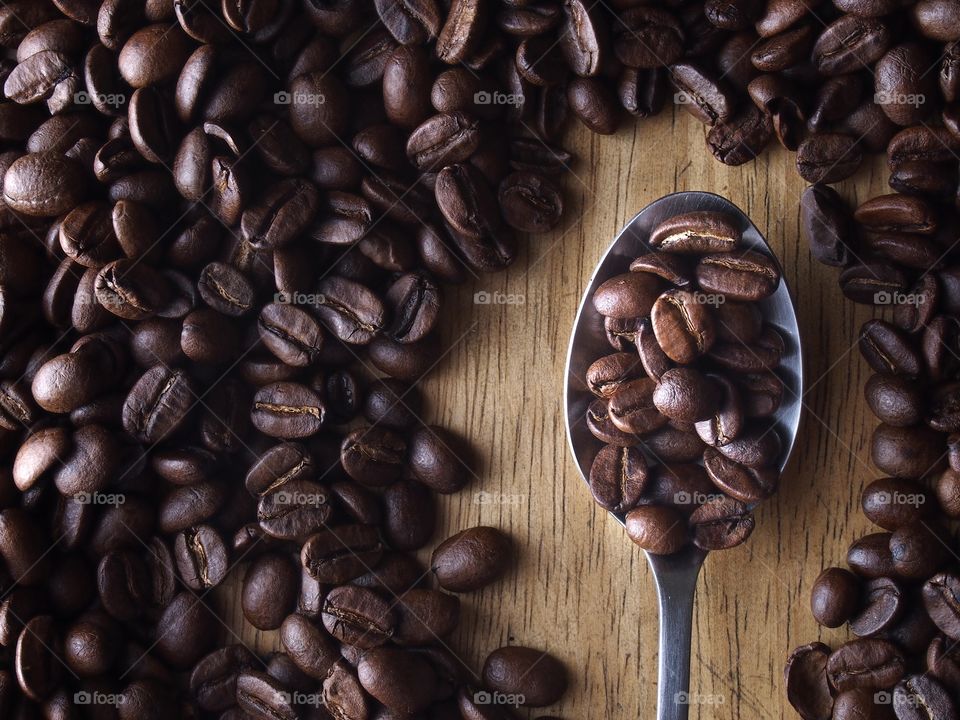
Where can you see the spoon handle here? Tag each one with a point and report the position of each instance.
(676, 579)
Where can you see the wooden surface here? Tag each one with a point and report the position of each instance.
(580, 588)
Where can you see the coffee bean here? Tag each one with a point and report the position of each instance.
(940, 594)
(747, 276)
(906, 452)
(287, 410)
(808, 689)
(865, 663)
(892, 503)
(338, 555)
(631, 295)
(359, 617)
(683, 326)
(269, 591)
(835, 597)
(202, 558)
(400, 680)
(685, 395)
(828, 157)
(373, 456)
(525, 672)
(213, 680)
(870, 556)
(261, 695)
(698, 232)
(721, 523)
(632, 409)
(618, 477)
(471, 559)
(919, 695)
(657, 529)
(827, 225)
(157, 404)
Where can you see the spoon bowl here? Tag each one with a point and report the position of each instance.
(675, 575)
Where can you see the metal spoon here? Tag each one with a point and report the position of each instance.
(675, 575)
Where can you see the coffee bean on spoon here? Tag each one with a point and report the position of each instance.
(746, 276)
(683, 326)
(607, 374)
(630, 295)
(686, 395)
(698, 232)
(632, 408)
(618, 477)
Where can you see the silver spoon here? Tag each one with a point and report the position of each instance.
(675, 575)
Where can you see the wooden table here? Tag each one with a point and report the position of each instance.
(580, 588)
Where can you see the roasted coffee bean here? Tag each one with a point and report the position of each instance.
(269, 590)
(359, 617)
(671, 268)
(290, 333)
(698, 233)
(618, 477)
(740, 481)
(158, 403)
(213, 680)
(827, 225)
(425, 616)
(940, 595)
(657, 529)
(685, 395)
(865, 663)
(294, 509)
(402, 681)
(349, 310)
(906, 452)
(202, 557)
(808, 688)
(601, 425)
(338, 555)
(742, 138)
(899, 76)
(525, 672)
(895, 400)
(721, 523)
(530, 202)
(747, 276)
(373, 456)
(828, 157)
(835, 597)
(436, 458)
(683, 326)
(471, 559)
(668, 444)
(883, 603)
(260, 695)
(186, 631)
(288, 410)
(892, 503)
(632, 409)
(631, 295)
(887, 350)
(609, 373)
(870, 556)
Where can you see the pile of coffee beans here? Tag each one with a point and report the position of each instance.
(223, 229)
(683, 406)
(900, 595)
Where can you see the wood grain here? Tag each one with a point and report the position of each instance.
(580, 589)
